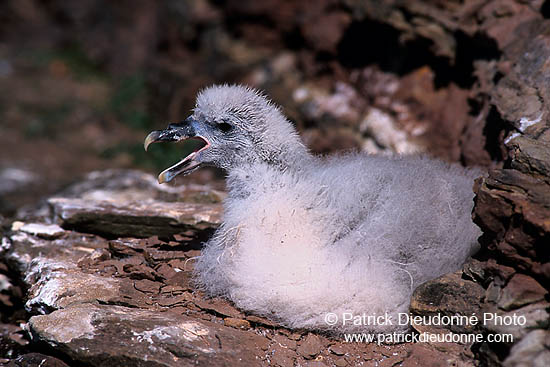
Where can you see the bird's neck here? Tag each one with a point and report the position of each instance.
(248, 177)
(278, 150)
(292, 155)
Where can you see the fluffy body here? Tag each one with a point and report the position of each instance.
(303, 236)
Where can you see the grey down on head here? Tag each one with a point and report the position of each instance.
(304, 236)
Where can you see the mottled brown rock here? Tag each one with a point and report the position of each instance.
(236, 323)
(513, 208)
(260, 321)
(531, 156)
(219, 306)
(310, 346)
(147, 286)
(284, 341)
(157, 255)
(140, 271)
(337, 349)
(165, 271)
(521, 290)
(522, 95)
(174, 300)
(498, 272)
(281, 356)
(448, 295)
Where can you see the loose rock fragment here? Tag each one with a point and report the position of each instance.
(310, 347)
(236, 323)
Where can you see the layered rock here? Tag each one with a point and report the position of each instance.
(513, 210)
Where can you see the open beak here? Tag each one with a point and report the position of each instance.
(174, 133)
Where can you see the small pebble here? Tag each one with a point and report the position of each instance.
(236, 323)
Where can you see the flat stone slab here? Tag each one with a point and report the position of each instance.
(135, 219)
(48, 231)
(121, 336)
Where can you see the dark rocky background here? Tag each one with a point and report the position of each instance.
(84, 81)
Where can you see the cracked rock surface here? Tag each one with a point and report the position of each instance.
(513, 210)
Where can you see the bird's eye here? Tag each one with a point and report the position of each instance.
(224, 126)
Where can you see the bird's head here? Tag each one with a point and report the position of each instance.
(235, 125)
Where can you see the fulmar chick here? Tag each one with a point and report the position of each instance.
(305, 237)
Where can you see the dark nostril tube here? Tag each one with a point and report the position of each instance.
(181, 124)
(175, 125)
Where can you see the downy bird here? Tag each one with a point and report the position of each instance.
(304, 237)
